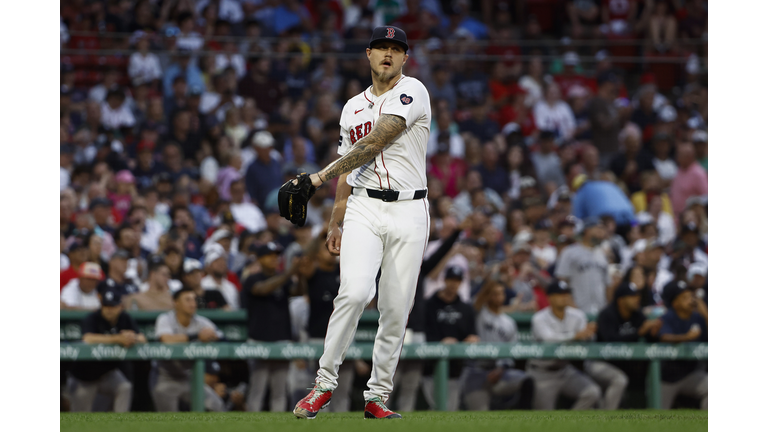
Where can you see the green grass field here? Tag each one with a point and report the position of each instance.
(517, 421)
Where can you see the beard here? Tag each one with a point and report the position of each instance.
(384, 76)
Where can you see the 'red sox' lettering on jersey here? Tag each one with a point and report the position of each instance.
(359, 131)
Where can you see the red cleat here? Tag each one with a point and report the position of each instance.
(375, 409)
(312, 403)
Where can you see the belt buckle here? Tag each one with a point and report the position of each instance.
(389, 195)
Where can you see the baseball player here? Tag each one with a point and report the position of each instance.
(108, 325)
(561, 323)
(382, 208)
(488, 378)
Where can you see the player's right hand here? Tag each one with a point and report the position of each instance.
(333, 241)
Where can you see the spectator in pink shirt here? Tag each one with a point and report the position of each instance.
(691, 179)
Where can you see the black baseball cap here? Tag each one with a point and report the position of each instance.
(626, 289)
(672, 290)
(268, 248)
(110, 292)
(100, 202)
(454, 272)
(558, 287)
(389, 33)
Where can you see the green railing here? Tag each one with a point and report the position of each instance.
(234, 324)
(199, 352)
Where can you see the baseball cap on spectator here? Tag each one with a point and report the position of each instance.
(672, 290)
(577, 91)
(268, 249)
(690, 227)
(522, 237)
(110, 292)
(699, 136)
(90, 270)
(145, 145)
(454, 272)
(668, 114)
(214, 252)
(644, 245)
(527, 182)
(263, 139)
(220, 234)
(509, 128)
(543, 225)
(568, 221)
(558, 287)
(520, 247)
(120, 254)
(601, 55)
(75, 245)
(195, 90)
(384, 33)
(625, 289)
(191, 264)
(696, 200)
(99, 202)
(696, 268)
(571, 59)
(125, 176)
(592, 222)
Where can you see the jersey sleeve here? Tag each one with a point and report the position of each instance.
(345, 143)
(564, 264)
(409, 101)
(163, 325)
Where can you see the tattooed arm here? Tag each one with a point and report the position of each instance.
(387, 128)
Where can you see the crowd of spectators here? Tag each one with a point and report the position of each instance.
(547, 161)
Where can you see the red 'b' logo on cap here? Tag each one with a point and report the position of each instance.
(390, 32)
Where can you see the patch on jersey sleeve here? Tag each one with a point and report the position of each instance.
(341, 139)
(405, 99)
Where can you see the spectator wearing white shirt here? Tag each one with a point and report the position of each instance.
(187, 37)
(143, 65)
(552, 113)
(115, 113)
(230, 58)
(220, 99)
(216, 278)
(534, 82)
(229, 10)
(98, 92)
(80, 293)
(243, 210)
(662, 161)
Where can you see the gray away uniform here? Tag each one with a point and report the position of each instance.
(586, 270)
(173, 376)
(553, 377)
(491, 327)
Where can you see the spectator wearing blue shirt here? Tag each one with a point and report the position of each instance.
(182, 66)
(493, 174)
(685, 321)
(290, 14)
(599, 198)
(479, 124)
(264, 174)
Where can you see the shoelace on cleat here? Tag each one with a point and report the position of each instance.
(379, 403)
(316, 393)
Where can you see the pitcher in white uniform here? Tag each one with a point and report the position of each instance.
(382, 211)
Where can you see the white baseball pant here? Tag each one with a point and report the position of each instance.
(377, 234)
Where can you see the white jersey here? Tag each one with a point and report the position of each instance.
(402, 165)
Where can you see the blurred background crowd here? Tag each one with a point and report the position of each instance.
(569, 142)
